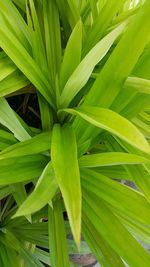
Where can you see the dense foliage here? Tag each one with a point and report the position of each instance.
(84, 65)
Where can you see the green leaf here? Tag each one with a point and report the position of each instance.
(52, 38)
(94, 9)
(101, 23)
(114, 123)
(8, 257)
(20, 3)
(74, 15)
(83, 71)
(12, 83)
(9, 120)
(39, 54)
(57, 236)
(111, 229)
(7, 139)
(35, 233)
(20, 195)
(142, 69)
(114, 171)
(66, 16)
(72, 54)
(65, 163)
(134, 88)
(42, 255)
(138, 88)
(44, 191)
(140, 231)
(5, 191)
(141, 85)
(29, 259)
(130, 202)
(9, 239)
(110, 159)
(131, 110)
(6, 65)
(24, 61)
(14, 170)
(15, 22)
(118, 66)
(99, 246)
(138, 174)
(141, 124)
(141, 178)
(46, 113)
(38, 49)
(34, 145)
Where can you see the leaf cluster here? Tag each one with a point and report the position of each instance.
(88, 63)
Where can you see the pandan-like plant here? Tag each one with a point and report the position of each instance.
(64, 180)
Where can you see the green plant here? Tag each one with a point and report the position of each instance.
(88, 62)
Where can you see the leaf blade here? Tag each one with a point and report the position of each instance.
(110, 159)
(65, 163)
(113, 122)
(57, 236)
(101, 215)
(83, 71)
(72, 54)
(44, 191)
(10, 120)
(14, 170)
(34, 145)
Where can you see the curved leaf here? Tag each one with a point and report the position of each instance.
(114, 123)
(44, 191)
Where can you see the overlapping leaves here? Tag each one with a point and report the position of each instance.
(90, 59)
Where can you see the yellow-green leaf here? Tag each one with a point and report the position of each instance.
(110, 159)
(65, 163)
(114, 123)
(44, 191)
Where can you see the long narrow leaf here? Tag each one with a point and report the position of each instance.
(124, 199)
(114, 232)
(57, 236)
(113, 122)
(119, 65)
(24, 61)
(72, 54)
(110, 159)
(65, 163)
(37, 144)
(44, 191)
(102, 250)
(83, 71)
(21, 169)
(52, 38)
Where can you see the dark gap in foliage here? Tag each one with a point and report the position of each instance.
(27, 107)
(28, 187)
